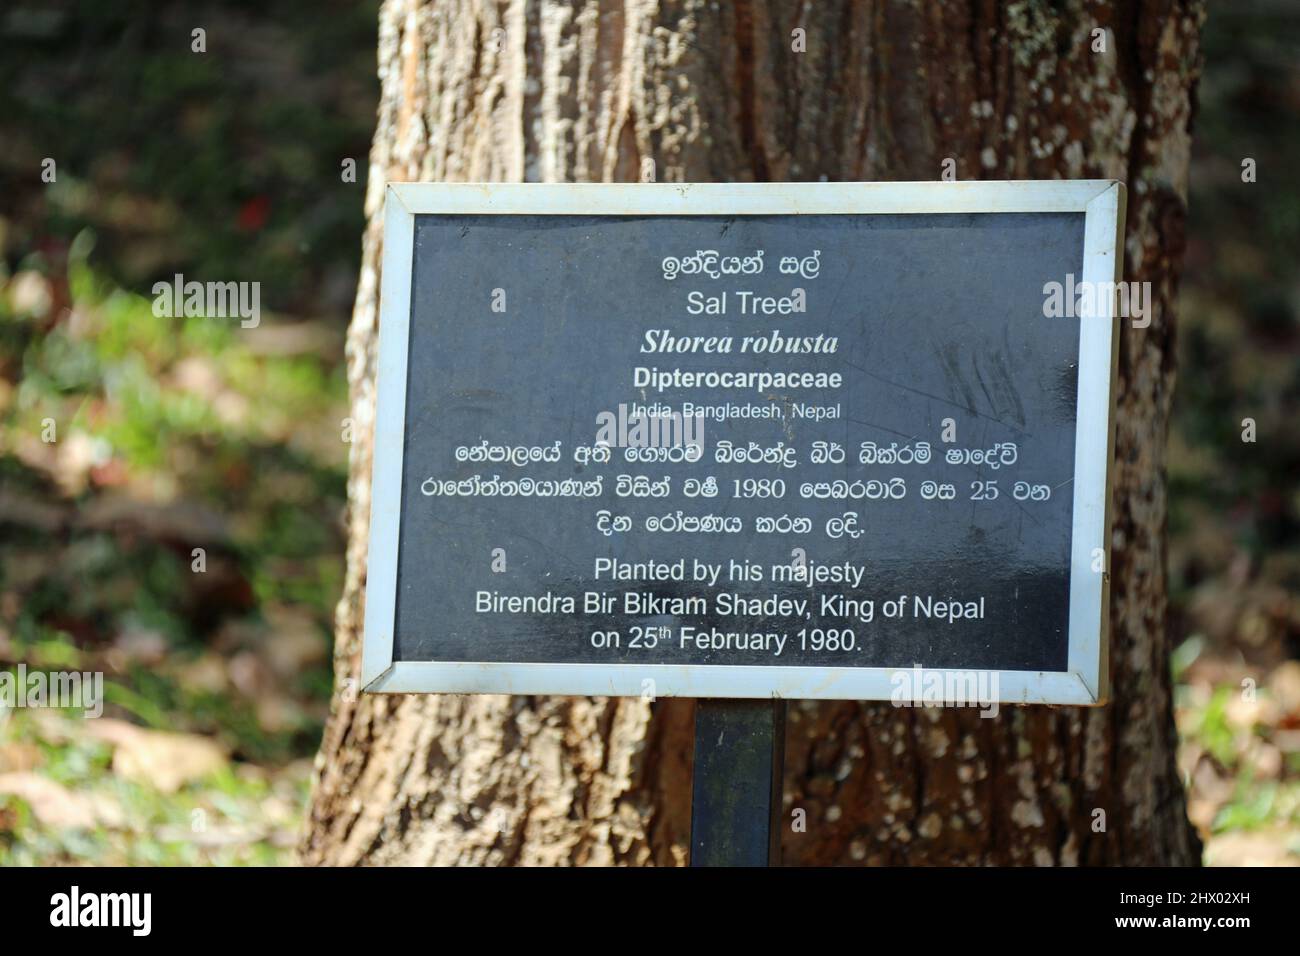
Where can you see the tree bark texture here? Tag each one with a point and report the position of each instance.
(542, 90)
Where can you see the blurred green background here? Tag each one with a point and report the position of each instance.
(183, 434)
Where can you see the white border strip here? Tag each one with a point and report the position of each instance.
(390, 435)
(1085, 682)
(1094, 439)
(747, 199)
(701, 680)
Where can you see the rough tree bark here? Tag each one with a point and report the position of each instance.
(586, 90)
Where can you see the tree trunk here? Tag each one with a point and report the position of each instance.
(543, 90)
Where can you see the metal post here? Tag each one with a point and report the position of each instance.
(736, 791)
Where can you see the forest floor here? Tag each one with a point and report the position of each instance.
(183, 536)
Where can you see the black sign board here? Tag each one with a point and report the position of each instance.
(823, 440)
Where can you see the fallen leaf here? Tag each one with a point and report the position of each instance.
(1284, 682)
(163, 760)
(54, 805)
(19, 755)
(1249, 849)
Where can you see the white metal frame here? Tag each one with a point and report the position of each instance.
(1086, 679)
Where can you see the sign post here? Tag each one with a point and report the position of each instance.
(745, 443)
(736, 789)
